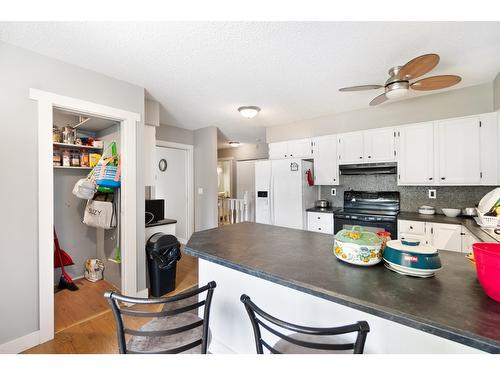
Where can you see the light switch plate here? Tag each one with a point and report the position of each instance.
(333, 192)
(432, 193)
(200, 191)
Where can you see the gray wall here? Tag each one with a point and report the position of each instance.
(205, 177)
(245, 152)
(412, 197)
(174, 134)
(496, 92)
(454, 103)
(21, 70)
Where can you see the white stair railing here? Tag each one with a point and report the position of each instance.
(232, 210)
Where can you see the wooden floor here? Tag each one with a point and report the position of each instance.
(95, 333)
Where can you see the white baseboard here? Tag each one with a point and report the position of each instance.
(143, 293)
(21, 343)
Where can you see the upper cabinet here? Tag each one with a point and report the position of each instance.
(459, 151)
(369, 146)
(379, 145)
(326, 171)
(416, 154)
(300, 148)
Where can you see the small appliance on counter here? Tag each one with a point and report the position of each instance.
(322, 203)
(155, 210)
(357, 247)
(409, 257)
(469, 211)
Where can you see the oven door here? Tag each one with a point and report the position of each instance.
(367, 224)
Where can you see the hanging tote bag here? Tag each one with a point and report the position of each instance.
(100, 214)
(108, 175)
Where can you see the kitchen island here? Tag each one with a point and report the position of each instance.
(293, 275)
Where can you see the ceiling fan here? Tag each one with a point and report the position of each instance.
(399, 84)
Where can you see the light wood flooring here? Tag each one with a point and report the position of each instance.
(94, 332)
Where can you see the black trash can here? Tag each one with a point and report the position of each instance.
(163, 251)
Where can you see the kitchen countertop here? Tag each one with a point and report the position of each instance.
(328, 210)
(451, 305)
(161, 222)
(467, 222)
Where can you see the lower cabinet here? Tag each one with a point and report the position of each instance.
(320, 222)
(451, 237)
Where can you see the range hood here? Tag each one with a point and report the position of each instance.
(372, 168)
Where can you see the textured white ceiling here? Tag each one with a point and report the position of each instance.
(202, 72)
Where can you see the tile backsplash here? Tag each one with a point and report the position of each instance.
(412, 197)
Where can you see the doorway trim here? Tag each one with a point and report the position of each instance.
(190, 182)
(47, 101)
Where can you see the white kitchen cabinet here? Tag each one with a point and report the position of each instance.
(379, 145)
(445, 236)
(468, 239)
(351, 150)
(488, 138)
(459, 151)
(278, 150)
(416, 154)
(415, 230)
(320, 222)
(326, 171)
(300, 148)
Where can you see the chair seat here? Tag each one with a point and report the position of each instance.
(286, 347)
(159, 343)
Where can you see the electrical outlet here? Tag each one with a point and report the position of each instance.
(432, 193)
(333, 192)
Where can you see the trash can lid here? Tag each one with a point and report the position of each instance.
(159, 241)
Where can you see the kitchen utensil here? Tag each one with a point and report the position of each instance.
(469, 211)
(451, 212)
(357, 247)
(414, 260)
(322, 203)
(487, 257)
(427, 210)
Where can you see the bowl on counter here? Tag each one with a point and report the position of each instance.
(487, 259)
(469, 211)
(451, 212)
(427, 210)
(356, 247)
(410, 258)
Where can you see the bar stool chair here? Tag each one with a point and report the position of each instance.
(173, 330)
(303, 340)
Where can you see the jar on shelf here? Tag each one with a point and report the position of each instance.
(66, 158)
(69, 135)
(75, 159)
(57, 135)
(84, 159)
(56, 158)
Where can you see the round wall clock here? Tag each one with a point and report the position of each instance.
(162, 164)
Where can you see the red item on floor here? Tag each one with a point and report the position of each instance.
(487, 257)
(60, 256)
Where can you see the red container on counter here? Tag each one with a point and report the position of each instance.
(487, 257)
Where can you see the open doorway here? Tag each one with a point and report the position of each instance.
(127, 212)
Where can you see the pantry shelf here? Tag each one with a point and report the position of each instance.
(69, 145)
(61, 167)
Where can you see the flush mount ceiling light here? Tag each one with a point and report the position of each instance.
(249, 111)
(234, 143)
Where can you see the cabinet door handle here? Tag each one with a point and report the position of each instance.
(430, 178)
(369, 157)
(319, 217)
(411, 227)
(361, 157)
(443, 178)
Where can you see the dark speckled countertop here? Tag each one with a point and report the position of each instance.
(328, 210)
(451, 305)
(467, 222)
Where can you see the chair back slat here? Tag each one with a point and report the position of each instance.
(361, 328)
(163, 332)
(180, 349)
(119, 311)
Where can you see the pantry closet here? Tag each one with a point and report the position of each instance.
(78, 143)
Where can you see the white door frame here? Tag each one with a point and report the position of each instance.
(190, 183)
(128, 145)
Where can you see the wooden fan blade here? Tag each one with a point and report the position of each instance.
(419, 66)
(361, 88)
(435, 83)
(379, 99)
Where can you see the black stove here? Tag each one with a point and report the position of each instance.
(373, 211)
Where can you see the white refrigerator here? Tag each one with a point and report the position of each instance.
(282, 193)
